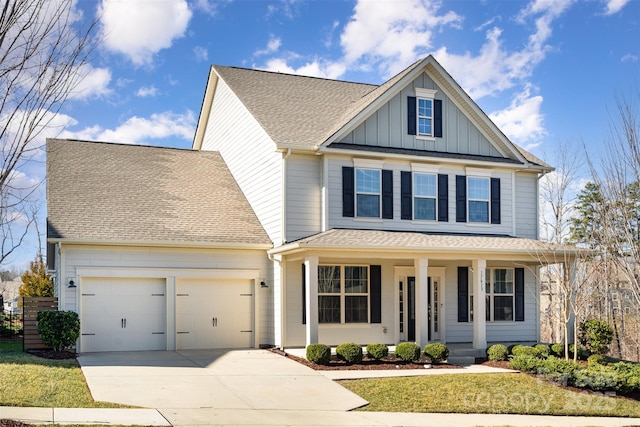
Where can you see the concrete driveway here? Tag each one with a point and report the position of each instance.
(216, 379)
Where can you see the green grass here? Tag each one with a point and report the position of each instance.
(486, 394)
(10, 346)
(27, 380)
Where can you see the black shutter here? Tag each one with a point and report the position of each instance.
(348, 189)
(304, 294)
(519, 308)
(495, 200)
(463, 294)
(406, 196)
(437, 118)
(443, 197)
(461, 198)
(375, 298)
(411, 115)
(387, 194)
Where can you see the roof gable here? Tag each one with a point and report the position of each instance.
(102, 192)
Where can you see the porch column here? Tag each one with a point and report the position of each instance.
(479, 304)
(422, 301)
(311, 300)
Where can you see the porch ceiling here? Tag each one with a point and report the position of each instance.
(432, 245)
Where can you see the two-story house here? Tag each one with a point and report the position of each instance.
(309, 210)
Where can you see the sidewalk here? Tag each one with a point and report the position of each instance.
(248, 417)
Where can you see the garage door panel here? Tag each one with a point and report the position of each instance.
(122, 314)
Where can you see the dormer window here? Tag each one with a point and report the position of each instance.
(424, 114)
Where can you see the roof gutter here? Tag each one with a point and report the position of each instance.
(164, 243)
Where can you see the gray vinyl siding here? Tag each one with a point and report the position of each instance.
(462, 332)
(526, 205)
(387, 127)
(336, 220)
(303, 215)
(250, 155)
(147, 257)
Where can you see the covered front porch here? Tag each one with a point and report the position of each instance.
(370, 286)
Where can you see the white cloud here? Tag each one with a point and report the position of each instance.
(629, 58)
(146, 91)
(139, 29)
(273, 45)
(202, 54)
(614, 6)
(315, 68)
(210, 7)
(94, 82)
(137, 130)
(392, 35)
(522, 120)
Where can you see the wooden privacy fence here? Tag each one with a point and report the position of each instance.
(30, 308)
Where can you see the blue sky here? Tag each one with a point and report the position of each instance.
(546, 71)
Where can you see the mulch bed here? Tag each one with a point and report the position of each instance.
(386, 363)
(50, 354)
(12, 423)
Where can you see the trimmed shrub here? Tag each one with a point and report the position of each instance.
(543, 349)
(408, 351)
(628, 376)
(558, 370)
(596, 335)
(497, 352)
(525, 349)
(582, 352)
(511, 347)
(526, 363)
(319, 353)
(350, 352)
(557, 349)
(596, 360)
(436, 351)
(596, 379)
(377, 351)
(58, 329)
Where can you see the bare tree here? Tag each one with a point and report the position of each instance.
(43, 55)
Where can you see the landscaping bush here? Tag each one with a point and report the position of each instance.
(408, 351)
(596, 335)
(596, 360)
(526, 363)
(558, 369)
(437, 352)
(58, 329)
(377, 351)
(497, 352)
(319, 353)
(543, 350)
(557, 349)
(596, 379)
(350, 352)
(525, 349)
(628, 376)
(583, 354)
(511, 347)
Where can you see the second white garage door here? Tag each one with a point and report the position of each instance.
(214, 314)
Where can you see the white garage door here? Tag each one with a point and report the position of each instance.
(214, 314)
(123, 314)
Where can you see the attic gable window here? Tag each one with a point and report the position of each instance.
(425, 117)
(424, 114)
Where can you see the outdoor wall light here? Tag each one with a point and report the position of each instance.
(72, 284)
(263, 284)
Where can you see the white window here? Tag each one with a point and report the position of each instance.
(499, 297)
(368, 190)
(343, 294)
(425, 117)
(424, 196)
(478, 199)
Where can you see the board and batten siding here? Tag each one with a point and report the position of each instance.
(511, 331)
(80, 256)
(336, 220)
(250, 155)
(387, 127)
(303, 216)
(526, 205)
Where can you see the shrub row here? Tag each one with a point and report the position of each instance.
(500, 352)
(352, 353)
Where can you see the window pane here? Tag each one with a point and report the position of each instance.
(503, 308)
(424, 107)
(328, 309)
(328, 279)
(368, 205)
(487, 303)
(424, 185)
(478, 188)
(367, 181)
(355, 280)
(356, 310)
(424, 208)
(503, 281)
(478, 211)
(424, 126)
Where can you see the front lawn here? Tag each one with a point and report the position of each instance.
(10, 346)
(485, 393)
(27, 380)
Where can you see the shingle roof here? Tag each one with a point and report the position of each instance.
(106, 192)
(417, 241)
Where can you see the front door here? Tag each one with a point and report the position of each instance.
(407, 308)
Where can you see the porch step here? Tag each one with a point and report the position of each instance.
(464, 355)
(461, 360)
